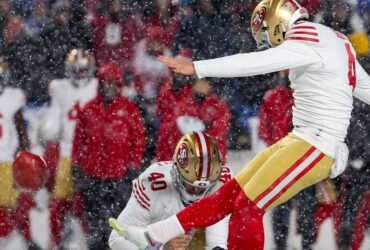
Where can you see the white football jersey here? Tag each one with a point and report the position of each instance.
(155, 198)
(324, 75)
(66, 101)
(11, 100)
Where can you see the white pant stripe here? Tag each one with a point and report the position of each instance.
(288, 179)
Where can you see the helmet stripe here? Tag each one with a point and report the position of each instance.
(200, 155)
(209, 158)
(203, 152)
(205, 155)
(295, 3)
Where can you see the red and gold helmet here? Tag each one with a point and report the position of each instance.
(80, 64)
(197, 166)
(272, 18)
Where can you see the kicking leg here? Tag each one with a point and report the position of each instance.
(246, 225)
(211, 209)
(295, 166)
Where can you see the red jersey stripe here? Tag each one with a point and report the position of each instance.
(302, 27)
(140, 203)
(139, 196)
(142, 191)
(303, 33)
(302, 39)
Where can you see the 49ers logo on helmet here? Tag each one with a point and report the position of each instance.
(182, 155)
(258, 18)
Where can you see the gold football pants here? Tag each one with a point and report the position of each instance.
(281, 171)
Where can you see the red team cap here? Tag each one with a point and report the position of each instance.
(110, 72)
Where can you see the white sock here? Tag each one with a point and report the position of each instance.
(164, 231)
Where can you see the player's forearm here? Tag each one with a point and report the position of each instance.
(285, 56)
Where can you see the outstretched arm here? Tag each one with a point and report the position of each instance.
(286, 56)
(178, 66)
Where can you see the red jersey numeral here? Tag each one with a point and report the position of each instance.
(157, 182)
(351, 66)
(351, 61)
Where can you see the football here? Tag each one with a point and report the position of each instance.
(30, 172)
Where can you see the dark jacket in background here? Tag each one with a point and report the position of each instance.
(25, 62)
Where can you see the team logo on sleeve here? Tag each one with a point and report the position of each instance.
(258, 18)
(182, 155)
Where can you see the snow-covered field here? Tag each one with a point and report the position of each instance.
(236, 160)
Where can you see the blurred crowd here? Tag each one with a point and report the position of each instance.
(114, 44)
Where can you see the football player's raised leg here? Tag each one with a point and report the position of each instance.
(295, 166)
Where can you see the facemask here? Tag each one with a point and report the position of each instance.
(186, 197)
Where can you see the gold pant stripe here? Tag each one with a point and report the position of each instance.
(274, 168)
(288, 179)
(281, 178)
(63, 179)
(8, 192)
